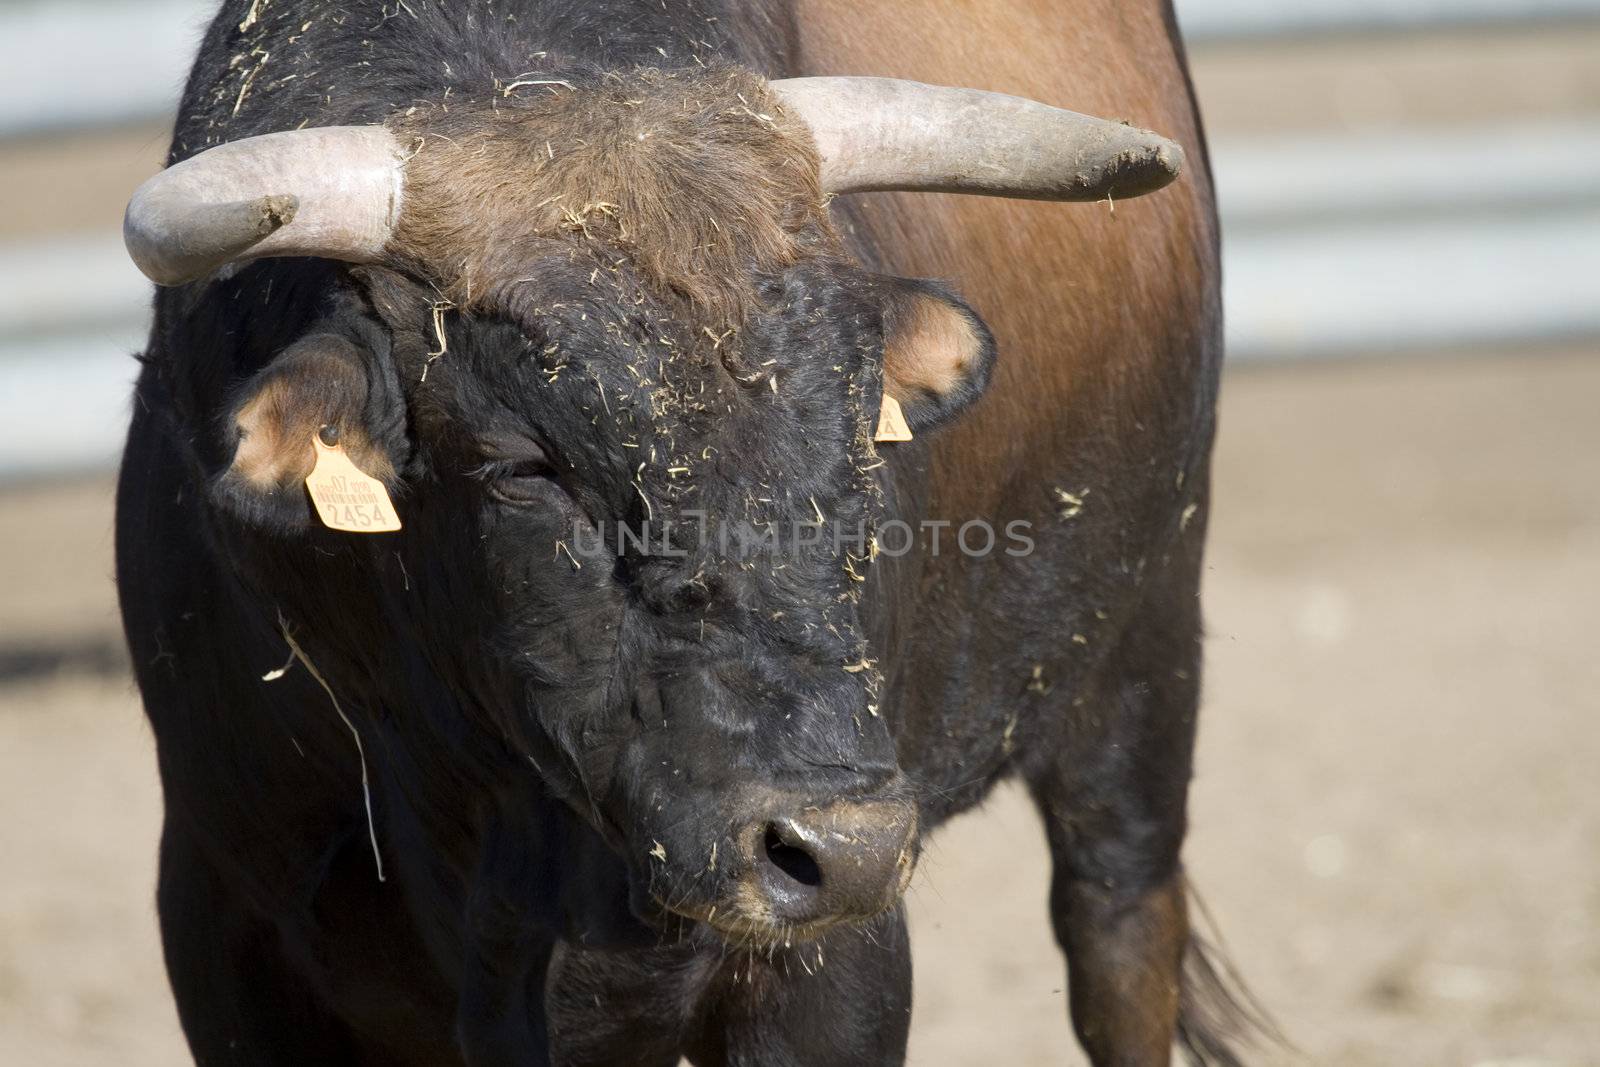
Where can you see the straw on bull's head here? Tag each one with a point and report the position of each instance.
(341, 192)
(657, 322)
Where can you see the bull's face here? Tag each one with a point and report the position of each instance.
(611, 358)
(639, 511)
(670, 530)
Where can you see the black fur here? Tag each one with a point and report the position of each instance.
(557, 740)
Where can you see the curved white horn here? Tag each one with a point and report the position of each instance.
(333, 191)
(885, 133)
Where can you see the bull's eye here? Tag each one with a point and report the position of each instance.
(524, 480)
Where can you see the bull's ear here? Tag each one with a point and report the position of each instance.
(321, 380)
(937, 353)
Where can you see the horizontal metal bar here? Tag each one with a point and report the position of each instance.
(1291, 292)
(1459, 178)
(97, 62)
(1384, 286)
(1219, 20)
(64, 284)
(85, 63)
(1521, 167)
(65, 404)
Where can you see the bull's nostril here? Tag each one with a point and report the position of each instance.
(797, 863)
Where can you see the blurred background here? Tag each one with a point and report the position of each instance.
(1397, 813)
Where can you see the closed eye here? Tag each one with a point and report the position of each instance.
(523, 480)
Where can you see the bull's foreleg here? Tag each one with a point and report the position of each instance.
(1124, 955)
(1113, 799)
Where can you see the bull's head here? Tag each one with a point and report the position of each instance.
(618, 305)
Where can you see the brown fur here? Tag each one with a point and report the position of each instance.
(1069, 290)
(319, 383)
(700, 179)
(1124, 963)
(1107, 323)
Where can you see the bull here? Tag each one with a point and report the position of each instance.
(549, 771)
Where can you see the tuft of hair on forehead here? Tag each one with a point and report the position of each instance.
(699, 178)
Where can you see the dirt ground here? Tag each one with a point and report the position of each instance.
(1396, 818)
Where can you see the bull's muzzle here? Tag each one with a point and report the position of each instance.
(822, 865)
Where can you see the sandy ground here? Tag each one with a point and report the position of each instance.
(1396, 820)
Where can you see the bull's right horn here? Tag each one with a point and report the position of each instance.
(332, 191)
(885, 133)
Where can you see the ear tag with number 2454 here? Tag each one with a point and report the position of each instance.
(346, 498)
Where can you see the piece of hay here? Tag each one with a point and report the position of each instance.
(366, 788)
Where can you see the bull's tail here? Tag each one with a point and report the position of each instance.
(1218, 1016)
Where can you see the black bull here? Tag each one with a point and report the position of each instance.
(519, 798)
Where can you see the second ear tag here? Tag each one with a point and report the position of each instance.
(892, 425)
(345, 498)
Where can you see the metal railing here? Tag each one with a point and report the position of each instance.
(1211, 20)
(1463, 236)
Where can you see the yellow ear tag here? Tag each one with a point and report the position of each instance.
(892, 425)
(345, 498)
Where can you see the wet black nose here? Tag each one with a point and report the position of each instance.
(848, 860)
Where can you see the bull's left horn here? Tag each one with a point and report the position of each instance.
(884, 133)
(333, 191)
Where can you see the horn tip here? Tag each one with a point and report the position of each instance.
(276, 212)
(1154, 162)
(237, 227)
(1170, 156)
